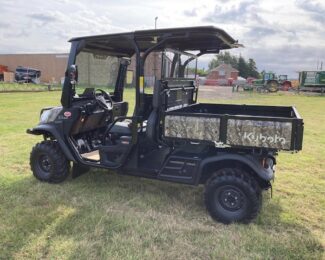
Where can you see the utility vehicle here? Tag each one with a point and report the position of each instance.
(27, 75)
(230, 149)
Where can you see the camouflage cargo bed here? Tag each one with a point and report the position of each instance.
(274, 127)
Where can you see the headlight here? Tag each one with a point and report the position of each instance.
(50, 115)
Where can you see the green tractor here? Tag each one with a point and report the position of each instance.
(268, 83)
(313, 81)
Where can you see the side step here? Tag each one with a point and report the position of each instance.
(180, 169)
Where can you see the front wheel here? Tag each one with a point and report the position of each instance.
(48, 163)
(231, 195)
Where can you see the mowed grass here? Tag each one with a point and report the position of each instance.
(26, 87)
(102, 215)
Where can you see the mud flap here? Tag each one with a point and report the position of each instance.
(78, 170)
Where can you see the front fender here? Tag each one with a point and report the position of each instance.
(50, 130)
(266, 174)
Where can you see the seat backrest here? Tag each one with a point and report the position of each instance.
(168, 95)
(177, 93)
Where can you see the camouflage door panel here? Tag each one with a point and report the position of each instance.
(259, 133)
(194, 128)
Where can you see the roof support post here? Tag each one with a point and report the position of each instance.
(67, 91)
(138, 77)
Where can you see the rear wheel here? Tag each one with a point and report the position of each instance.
(48, 163)
(231, 195)
(286, 86)
(272, 86)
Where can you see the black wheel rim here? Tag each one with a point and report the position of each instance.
(231, 198)
(44, 163)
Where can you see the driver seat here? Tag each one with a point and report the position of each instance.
(122, 128)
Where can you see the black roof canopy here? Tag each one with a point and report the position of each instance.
(204, 38)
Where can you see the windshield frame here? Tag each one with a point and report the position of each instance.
(173, 66)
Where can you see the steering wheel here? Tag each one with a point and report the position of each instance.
(101, 99)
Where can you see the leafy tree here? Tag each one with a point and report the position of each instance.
(243, 67)
(224, 57)
(200, 72)
(252, 70)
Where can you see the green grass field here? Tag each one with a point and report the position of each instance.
(102, 215)
(24, 87)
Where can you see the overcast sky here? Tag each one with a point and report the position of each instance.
(283, 36)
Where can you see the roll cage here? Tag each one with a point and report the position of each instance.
(204, 39)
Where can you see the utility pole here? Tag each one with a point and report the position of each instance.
(156, 18)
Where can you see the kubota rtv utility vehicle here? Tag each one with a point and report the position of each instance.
(230, 149)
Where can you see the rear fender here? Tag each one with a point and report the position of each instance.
(50, 131)
(248, 162)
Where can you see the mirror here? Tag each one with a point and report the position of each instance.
(73, 74)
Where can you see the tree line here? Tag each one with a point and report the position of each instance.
(246, 68)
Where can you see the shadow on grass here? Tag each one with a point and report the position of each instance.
(43, 220)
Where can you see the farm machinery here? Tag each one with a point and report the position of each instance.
(268, 83)
(284, 83)
(312, 81)
(2, 70)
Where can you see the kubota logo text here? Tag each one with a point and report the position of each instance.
(252, 137)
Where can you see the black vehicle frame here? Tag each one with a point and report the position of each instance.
(92, 129)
